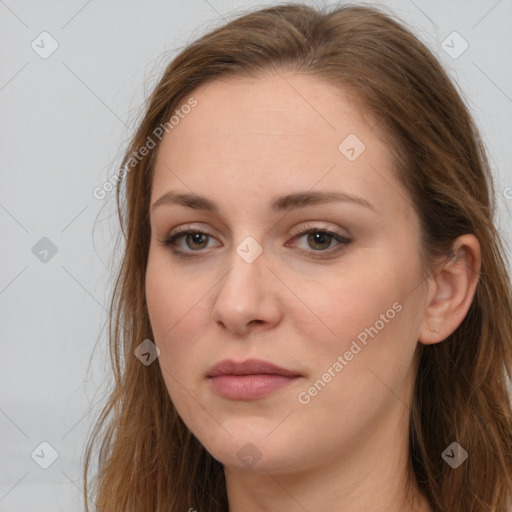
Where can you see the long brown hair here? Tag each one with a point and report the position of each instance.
(148, 460)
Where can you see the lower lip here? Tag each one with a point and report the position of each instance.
(249, 387)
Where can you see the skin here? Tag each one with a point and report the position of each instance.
(246, 141)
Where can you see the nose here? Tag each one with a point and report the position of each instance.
(247, 297)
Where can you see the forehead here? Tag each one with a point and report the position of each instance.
(270, 134)
(281, 105)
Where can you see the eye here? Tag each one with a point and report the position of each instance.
(195, 239)
(318, 239)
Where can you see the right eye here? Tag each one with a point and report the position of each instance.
(192, 237)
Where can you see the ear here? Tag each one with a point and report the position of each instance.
(451, 290)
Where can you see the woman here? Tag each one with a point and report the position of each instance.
(313, 309)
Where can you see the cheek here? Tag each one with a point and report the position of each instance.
(347, 302)
(176, 311)
(177, 307)
(172, 297)
(369, 317)
(375, 315)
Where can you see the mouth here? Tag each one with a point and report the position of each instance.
(249, 380)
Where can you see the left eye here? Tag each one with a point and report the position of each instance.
(321, 239)
(318, 239)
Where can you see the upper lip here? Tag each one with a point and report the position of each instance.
(248, 367)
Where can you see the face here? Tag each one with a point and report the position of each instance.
(325, 287)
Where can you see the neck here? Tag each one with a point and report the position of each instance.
(372, 475)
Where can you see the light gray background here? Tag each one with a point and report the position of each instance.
(64, 122)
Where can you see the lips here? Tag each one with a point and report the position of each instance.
(249, 380)
(249, 367)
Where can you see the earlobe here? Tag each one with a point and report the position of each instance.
(453, 289)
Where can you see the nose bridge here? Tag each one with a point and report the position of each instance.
(243, 294)
(243, 280)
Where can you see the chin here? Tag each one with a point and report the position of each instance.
(246, 451)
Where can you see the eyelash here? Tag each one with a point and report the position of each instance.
(170, 241)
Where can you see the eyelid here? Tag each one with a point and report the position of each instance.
(332, 252)
(317, 226)
(189, 227)
(303, 230)
(313, 225)
(181, 232)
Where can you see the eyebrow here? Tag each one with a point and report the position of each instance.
(283, 203)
